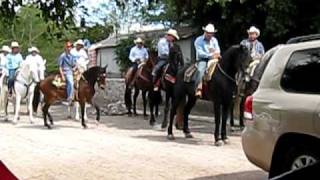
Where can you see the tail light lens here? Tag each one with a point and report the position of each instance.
(248, 108)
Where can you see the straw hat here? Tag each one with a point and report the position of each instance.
(253, 29)
(138, 40)
(173, 33)
(209, 28)
(34, 49)
(5, 49)
(79, 42)
(14, 44)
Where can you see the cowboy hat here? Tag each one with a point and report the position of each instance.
(138, 40)
(79, 42)
(253, 29)
(34, 49)
(6, 49)
(173, 33)
(14, 44)
(209, 28)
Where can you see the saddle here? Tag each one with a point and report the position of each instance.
(168, 76)
(60, 84)
(192, 70)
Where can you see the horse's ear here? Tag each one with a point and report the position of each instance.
(105, 67)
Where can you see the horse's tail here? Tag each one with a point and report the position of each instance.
(127, 97)
(36, 98)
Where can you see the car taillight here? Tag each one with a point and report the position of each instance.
(248, 108)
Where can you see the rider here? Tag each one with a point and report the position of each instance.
(67, 65)
(34, 56)
(3, 60)
(81, 55)
(138, 54)
(255, 47)
(207, 48)
(14, 59)
(164, 45)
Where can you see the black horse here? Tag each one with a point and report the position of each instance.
(168, 78)
(220, 90)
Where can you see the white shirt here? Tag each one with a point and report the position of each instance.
(81, 57)
(3, 60)
(35, 61)
(163, 47)
(138, 53)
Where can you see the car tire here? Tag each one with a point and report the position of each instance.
(297, 157)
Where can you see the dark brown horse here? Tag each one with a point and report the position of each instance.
(143, 82)
(85, 91)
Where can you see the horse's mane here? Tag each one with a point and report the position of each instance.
(91, 74)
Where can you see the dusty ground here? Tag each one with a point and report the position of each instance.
(119, 148)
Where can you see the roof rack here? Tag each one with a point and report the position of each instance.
(300, 39)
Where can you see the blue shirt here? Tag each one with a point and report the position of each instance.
(203, 47)
(163, 48)
(67, 62)
(14, 60)
(138, 53)
(256, 48)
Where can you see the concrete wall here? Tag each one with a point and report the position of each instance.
(107, 56)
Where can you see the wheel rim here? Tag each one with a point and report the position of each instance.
(303, 161)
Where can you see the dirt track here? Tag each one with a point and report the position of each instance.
(119, 148)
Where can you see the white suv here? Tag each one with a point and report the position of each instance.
(283, 115)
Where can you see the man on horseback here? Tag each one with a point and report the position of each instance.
(255, 47)
(164, 45)
(14, 60)
(67, 65)
(34, 56)
(138, 54)
(3, 61)
(207, 48)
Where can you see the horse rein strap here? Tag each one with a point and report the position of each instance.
(225, 74)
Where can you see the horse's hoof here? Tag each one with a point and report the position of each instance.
(69, 117)
(226, 141)
(31, 122)
(135, 114)
(77, 118)
(129, 114)
(188, 135)
(14, 122)
(84, 126)
(178, 127)
(48, 126)
(97, 123)
(218, 143)
(152, 123)
(170, 137)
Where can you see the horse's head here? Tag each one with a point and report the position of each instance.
(42, 69)
(102, 75)
(237, 58)
(175, 58)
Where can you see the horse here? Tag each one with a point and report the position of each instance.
(143, 82)
(85, 93)
(249, 82)
(27, 76)
(219, 90)
(168, 78)
(4, 92)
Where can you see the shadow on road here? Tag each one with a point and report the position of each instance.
(163, 138)
(245, 175)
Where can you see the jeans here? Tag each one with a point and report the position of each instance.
(158, 67)
(202, 66)
(69, 81)
(12, 73)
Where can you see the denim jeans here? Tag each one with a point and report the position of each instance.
(202, 66)
(12, 73)
(158, 67)
(69, 81)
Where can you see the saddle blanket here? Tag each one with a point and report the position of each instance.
(211, 66)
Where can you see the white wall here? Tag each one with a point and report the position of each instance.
(185, 46)
(107, 56)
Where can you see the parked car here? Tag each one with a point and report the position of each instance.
(282, 116)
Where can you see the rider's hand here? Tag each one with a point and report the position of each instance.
(63, 78)
(216, 55)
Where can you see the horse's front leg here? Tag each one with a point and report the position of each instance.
(30, 98)
(77, 117)
(17, 108)
(82, 106)
(98, 115)
(166, 109)
(135, 96)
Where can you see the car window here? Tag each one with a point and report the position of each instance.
(302, 72)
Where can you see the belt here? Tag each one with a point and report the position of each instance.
(203, 59)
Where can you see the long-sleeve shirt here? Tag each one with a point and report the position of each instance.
(256, 48)
(14, 61)
(205, 49)
(67, 62)
(80, 56)
(36, 60)
(3, 61)
(163, 48)
(138, 53)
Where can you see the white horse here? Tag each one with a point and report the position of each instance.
(4, 92)
(82, 66)
(28, 75)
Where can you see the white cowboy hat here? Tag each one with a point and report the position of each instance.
(14, 44)
(32, 49)
(79, 42)
(173, 33)
(6, 49)
(138, 40)
(253, 29)
(209, 28)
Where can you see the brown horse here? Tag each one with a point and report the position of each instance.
(143, 82)
(85, 92)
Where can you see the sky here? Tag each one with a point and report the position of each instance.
(92, 4)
